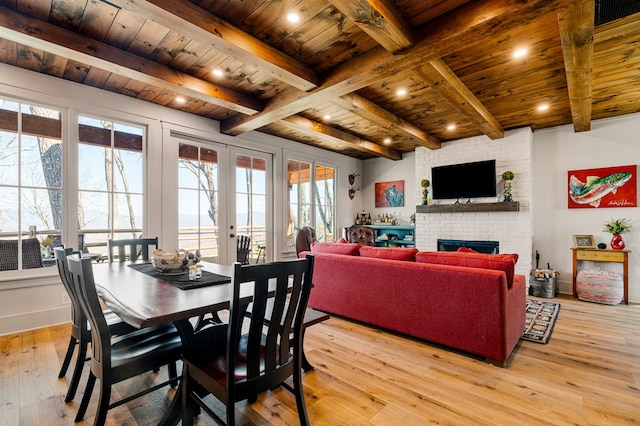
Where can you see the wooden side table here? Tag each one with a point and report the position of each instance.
(602, 255)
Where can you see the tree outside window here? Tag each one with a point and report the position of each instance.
(198, 200)
(30, 181)
(311, 199)
(110, 181)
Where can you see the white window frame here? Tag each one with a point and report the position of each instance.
(313, 163)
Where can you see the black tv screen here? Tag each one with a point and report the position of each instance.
(468, 180)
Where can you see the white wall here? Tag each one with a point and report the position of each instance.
(611, 142)
(383, 170)
(27, 302)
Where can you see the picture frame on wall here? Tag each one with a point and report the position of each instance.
(603, 187)
(389, 194)
(584, 241)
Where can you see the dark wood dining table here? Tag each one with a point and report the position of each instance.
(144, 301)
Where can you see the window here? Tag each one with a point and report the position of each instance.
(30, 184)
(110, 181)
(311, 199)
(198, 200)
(325, 203)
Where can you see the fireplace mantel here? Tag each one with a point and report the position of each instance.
(510, 206)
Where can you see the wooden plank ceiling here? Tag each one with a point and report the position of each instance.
(331, 80)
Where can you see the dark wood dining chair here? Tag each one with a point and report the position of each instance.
(251, 355)
(138, 248)
(243, 248)
(80, 332)
(119, 358)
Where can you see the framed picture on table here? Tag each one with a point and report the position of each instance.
(584, 241)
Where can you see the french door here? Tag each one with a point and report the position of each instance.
(250, 213)
(224, 192)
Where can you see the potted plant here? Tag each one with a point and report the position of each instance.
(424, 183)
(507, 177)
(616, 228)
(46, 246)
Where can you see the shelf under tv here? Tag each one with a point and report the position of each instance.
(509, 206)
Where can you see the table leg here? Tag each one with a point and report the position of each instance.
(306, 365)
(173, 416)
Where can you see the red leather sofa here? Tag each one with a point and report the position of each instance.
(471, 302)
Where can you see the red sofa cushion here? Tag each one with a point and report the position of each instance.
(393, 253)
(500, 262)
(350, 249)
(467, 250)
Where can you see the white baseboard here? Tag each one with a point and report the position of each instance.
(33, 320)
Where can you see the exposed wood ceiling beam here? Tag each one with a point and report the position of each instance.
(322, 131)
(206, 28)
(381, 19)
(469, 25)
(50, 38)
(444, 81)
(366, 109)
(576, 34)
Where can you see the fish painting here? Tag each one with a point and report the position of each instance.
(595, 188)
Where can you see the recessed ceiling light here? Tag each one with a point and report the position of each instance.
(180, 99)
(327, 117)
(293, 17)
(451, 127)
(519, 53)
(218, 72)
(401, 92)
(543, 107)
(387, 141)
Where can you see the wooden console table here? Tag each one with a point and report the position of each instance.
(602, 255)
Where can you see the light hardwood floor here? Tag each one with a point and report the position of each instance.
(588, 374)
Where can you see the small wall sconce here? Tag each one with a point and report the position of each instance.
(352, 192)
(352, 178)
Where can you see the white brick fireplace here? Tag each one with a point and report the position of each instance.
(513, 230)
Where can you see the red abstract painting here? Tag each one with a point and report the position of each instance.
(390, 194)
(604, 187)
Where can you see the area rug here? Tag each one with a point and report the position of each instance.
(541, 317)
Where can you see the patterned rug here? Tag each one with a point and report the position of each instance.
(541, 317)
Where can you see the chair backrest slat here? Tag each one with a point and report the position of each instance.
(137, 248)
(243, 249)
(81, 273)
(78, 319)
(280, 292)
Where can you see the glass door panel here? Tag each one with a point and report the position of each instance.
(198, 195)
(252, 209)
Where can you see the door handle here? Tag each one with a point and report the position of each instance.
(232, 235)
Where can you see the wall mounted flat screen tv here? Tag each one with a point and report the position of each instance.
(468, 180)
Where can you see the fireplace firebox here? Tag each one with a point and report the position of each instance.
(490, 247)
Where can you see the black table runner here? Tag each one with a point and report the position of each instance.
(182, 280)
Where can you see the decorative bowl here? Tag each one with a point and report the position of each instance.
(170, 262)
